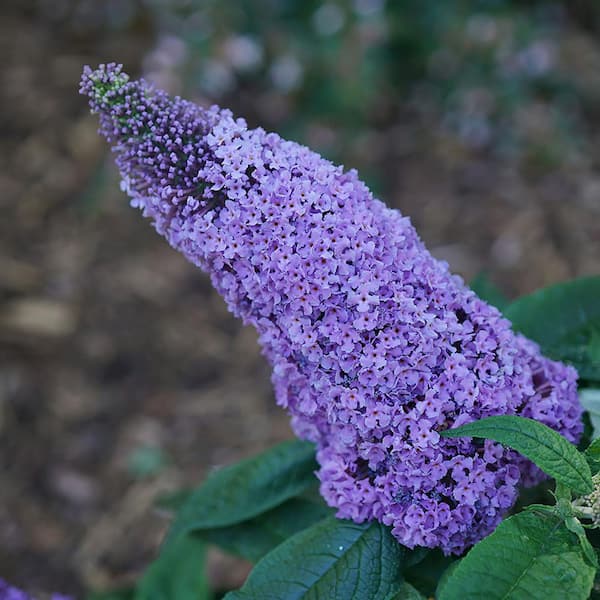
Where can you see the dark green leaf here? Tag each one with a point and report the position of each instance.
(333, 559)
(254, 538)
(562, 492)
(529, 556)
(593, 450)
(427, 574)
(483, 286)
(574, 525)
(178, 573)
(444, 578)
(590, 400)
(406, 592)
(415, 556)
(593, 456)
(545, 447)
(247, 489)
(565, 320)
(595, 595)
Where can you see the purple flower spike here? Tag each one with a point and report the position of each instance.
(375, 345)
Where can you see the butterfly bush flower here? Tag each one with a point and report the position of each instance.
(375, 346)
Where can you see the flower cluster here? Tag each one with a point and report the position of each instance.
(375, 345)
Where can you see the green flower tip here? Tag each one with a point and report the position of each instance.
(103, 86)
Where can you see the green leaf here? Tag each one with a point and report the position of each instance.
(528, 556)
(592, 454)
(333, 559)
(549, 450)
(565, 320)
(445, 577)
(416, 556)
(406, 592)
(254, 538)
(483, 286)
(178, 572)
(595, 594)
(573, 524)
(427, 574)
(562, 492)
(246, 489)
(590, 400)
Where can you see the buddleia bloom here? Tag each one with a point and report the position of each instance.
(375, 346)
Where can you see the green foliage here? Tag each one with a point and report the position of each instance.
(252, 538)
(245, 490)
(427, 574)
(574, 526)
(177, 573)
(332, 559)
(590, 400)
(592, 454)
(565, 320)
(256, 537)
(547, 449)
(264, 508)
(406, 592)
(528, 556)
(304, 552)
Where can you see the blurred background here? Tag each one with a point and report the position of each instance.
(122, 376)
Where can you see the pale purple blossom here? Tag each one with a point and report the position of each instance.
(375, 346)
